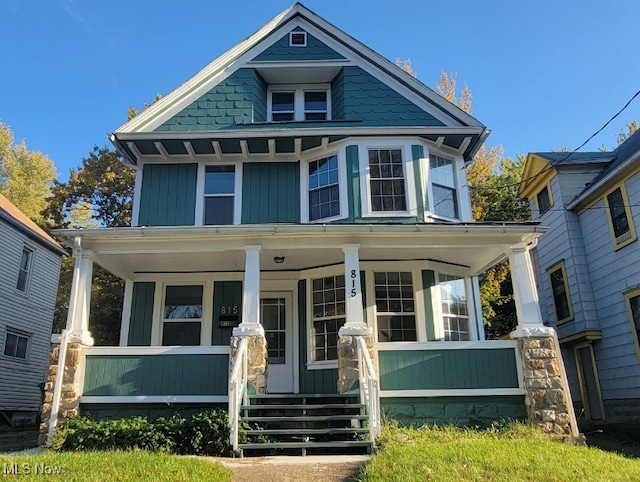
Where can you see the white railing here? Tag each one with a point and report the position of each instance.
(369, 390)
(237, 390)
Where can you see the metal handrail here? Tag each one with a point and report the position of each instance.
(369, 390)
(237, 390)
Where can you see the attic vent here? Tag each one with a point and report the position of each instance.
(298, 39)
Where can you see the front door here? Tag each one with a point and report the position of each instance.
(277, 320)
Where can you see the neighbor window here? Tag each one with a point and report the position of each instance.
(182, 315)
(443, 186)
(299, 103)
(24, 270)
(327, 316)
(620, 217)
(560, 292)
(219, 189)
(633, 305)
(544, 201)
(16, 345)
(455, 312)
(386, 174)
(395, 306)
(324, 192)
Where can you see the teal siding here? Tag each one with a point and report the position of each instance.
(448, 369)
(458, 411)
(315, 50)
(337, 96)
(121, 375)
(270, 192)
(168, 195)
(141, 318)
(353, 184)
(227, 295)
(428, 281)
(417, 153)
(367, 99)
(239, 99)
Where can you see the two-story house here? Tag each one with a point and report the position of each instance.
(29, 271)
(588, 270)
(303, 190)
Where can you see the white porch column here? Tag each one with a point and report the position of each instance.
(251, 325)
(355, 324)
(80, 299)
(525, 295)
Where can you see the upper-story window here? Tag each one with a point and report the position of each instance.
(455, 312)
(387, 182)
(443, 187)
(24, 271)
(324, 189)
(219, 194)
(633, 305)
(16, 344)
(298, 103)
(620, 220)
(560, 292)
(544, 201)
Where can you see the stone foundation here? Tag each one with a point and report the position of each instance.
(71, 387)
(348, 360)
(256, 360)
(547, 397)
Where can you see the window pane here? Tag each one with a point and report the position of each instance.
(181, 333)
(282, 117)
(394, 295)
(444, 201)
(11, 344)
(634, 304)
(21, 285)
(618, 213)
(386, 180)
(21, 349)
(219, 180)
(218, 210)
(560, 296)
(441, 171)
(23, 271)
(282, 101)
(315, 101)
(315, 116)
(328, 315)
(25, 260)
(183, 302)
(544, 202)
(453, 296)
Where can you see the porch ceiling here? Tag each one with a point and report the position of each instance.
(128, 252)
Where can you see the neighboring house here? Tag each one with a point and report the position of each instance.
(300, 186)
(29, 270)
(588, 267)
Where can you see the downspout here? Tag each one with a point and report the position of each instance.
(62, 353)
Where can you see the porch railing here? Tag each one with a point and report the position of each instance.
(237, 390)
(369, 390)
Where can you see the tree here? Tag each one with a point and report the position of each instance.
(26, 177)
(632, 126)
(406, 66)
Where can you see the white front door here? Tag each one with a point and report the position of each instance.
(277, 320)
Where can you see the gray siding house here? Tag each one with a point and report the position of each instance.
(588, 271)
(29, 270)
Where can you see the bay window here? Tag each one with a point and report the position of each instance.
(443, 187)
(387, 181)
(324, 189)
(455, 313)
(395, 306)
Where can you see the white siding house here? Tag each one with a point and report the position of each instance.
(29, 270)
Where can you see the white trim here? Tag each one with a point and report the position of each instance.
(137, 193)
(455, 392)
(126, 313)
(167, 399)
(342, 185)
(207, 314)
(157, 350)
(237, 189)
(460, 187)
(477, 307)
(199, 214)
(448, 345)
(297, 32)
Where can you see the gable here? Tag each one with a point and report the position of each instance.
(537, 173)
(283, 51)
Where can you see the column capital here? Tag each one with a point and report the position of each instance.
(519, 247)
(350, 247)
(253, 247)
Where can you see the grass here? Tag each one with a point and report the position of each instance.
(114, 466)
(509, 453)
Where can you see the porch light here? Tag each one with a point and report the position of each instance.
(278, 259)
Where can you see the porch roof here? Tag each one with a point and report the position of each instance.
(132, 251)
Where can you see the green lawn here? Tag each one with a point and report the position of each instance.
(112, 466)
(514, 453)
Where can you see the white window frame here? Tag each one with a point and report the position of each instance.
(408, 171)
(460, 187)
(342, 187)
(298, 99)
(237, 194)
(469, 302)
(414, 313)
(17, 334)
(29, 270)
(298, 32)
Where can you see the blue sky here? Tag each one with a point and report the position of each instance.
(543, 74)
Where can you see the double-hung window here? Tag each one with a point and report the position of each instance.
(387, 180)
(299, 103)
(324, 189)
(560, 292)
(182, 315)
(327, 316)
(219, 194)
(16, 345)
(543, 199)
(24, 270)
(633, 305)
(620, 220)
(443, 187)
(395, 306)
(455, 313)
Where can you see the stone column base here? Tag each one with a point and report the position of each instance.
(71, 387)
(348, 371)
(256, 360)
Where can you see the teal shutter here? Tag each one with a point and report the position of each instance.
(141, 319)
(227, 308)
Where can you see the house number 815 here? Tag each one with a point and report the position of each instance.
(229, 310)
(353, 282)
